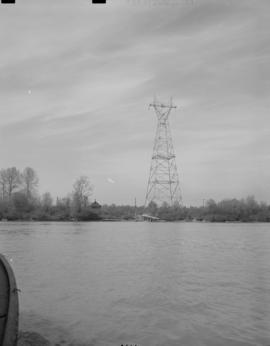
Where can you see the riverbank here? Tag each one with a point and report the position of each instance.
(130, 220)
(230, 210)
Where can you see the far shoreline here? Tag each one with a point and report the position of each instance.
(135, 221)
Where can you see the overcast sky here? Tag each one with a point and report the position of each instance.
(76, 80)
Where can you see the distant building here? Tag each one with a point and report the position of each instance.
(95, 205)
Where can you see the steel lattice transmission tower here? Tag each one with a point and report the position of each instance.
(163, 183)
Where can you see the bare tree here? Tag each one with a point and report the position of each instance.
(82, 189)
(12, 179)
(30, 181)
(3, 183)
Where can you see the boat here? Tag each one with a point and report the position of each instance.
(9, 305)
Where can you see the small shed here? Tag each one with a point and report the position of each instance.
(95, 205)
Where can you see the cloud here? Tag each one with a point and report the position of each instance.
(92, 73)
(110, 180)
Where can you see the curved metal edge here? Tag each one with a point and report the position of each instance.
(12, 324)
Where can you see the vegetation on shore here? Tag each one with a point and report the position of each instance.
(228, 210)
(20, 200)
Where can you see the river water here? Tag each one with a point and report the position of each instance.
(150, 284)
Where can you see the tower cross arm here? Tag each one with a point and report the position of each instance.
(161, 105)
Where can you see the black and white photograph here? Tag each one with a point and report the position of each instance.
(135, 173)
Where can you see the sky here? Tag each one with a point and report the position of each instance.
(76, 80)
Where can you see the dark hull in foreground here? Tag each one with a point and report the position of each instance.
(9, 306)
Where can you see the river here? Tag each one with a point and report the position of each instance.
(149, 284)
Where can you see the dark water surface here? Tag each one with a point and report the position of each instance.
(152, 284)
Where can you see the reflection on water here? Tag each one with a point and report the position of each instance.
(142, 283)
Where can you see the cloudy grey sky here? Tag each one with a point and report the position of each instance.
(76, 80)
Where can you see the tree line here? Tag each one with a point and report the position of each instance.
(228, 210)
(20, 200)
